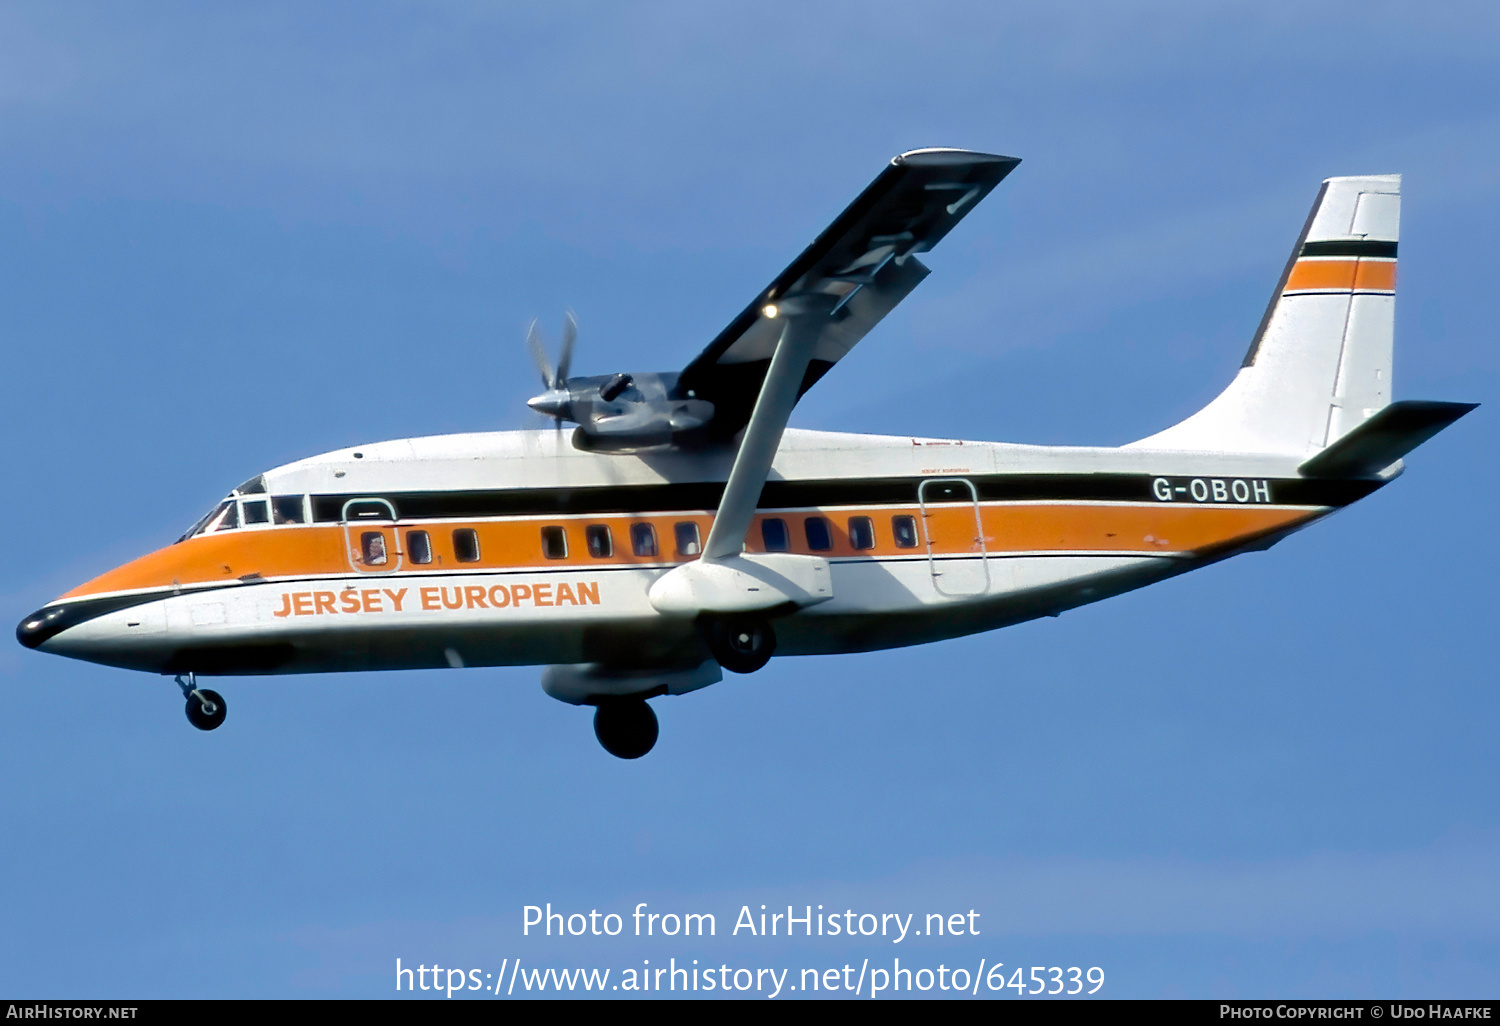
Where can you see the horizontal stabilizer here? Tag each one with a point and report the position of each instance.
(1383, 439)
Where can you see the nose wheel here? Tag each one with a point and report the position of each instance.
(205, 708)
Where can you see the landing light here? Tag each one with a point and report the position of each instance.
(770, 310)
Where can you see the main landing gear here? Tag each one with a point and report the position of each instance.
(205, 708)
(741, 644)
(625, 724)
(626, 727)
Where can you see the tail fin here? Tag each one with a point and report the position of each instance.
(1320, 364)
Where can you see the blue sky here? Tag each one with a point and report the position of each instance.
(1272, 777)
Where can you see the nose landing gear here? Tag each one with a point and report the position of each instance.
(205, 708)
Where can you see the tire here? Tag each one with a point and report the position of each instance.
(741, 645)
(626, 727)
(203, 720)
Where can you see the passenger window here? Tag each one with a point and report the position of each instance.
(372, 545)
(256, 512)
(687, 538)
(418, 547)
(466, 545)
(861, 533)
(230, 519)
(643, 539)
(287, 509)
(599, 542)
(819, 537)
(774, 533)
(554, 543)
(904, 530)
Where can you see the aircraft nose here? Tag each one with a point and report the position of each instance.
(50, 621)
(41, 625)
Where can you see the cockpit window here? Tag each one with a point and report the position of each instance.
(203, 522)
(287, 509)
(281, 509)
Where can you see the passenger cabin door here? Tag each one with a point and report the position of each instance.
(955, 536)
(370, 536)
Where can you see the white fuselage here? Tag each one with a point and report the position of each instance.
(1003, 533)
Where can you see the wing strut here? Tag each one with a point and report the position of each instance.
(803, 323)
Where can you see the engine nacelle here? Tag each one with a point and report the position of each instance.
(627, 412)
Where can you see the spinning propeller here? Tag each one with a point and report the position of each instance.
(556, 401)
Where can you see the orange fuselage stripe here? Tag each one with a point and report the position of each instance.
(516, 543)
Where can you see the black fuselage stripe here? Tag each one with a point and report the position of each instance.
(824, 494)
(50, 621)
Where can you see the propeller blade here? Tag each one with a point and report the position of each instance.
(539, 354)
(565, 354)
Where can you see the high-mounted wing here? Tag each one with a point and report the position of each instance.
(855, 273)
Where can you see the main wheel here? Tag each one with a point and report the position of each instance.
(741, 645)
(205, 709)
(626, 727)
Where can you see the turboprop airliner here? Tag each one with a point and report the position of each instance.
(681, 529)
